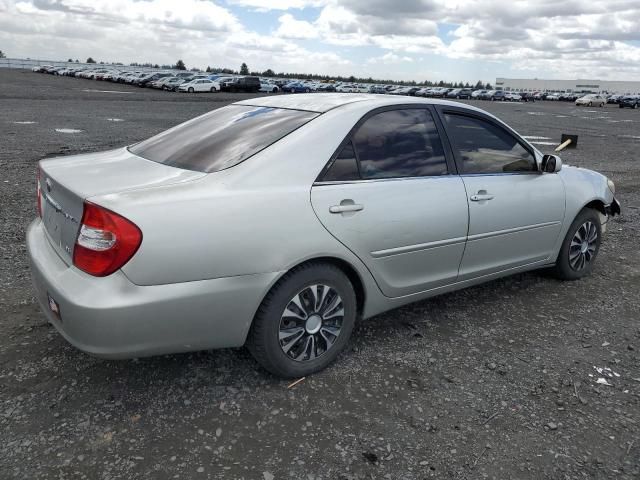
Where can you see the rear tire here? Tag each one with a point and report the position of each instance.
(293, 342)
(580, 246)
(190, 89)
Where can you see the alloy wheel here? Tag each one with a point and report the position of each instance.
(583, 246)
(311, 323)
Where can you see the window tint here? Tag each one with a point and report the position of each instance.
(486, 148)
(222, 138)
(344, 167)
(399, 143)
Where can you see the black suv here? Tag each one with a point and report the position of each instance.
(242, 84)
(630, 101)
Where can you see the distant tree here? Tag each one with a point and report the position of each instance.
(269, 73)
(77, 61)
(208, 70)
(156, 66)
(244, 70)
(70, 60)
(180, 65)
(90, 60)
(101, 63)
(2, 55)
(488, 86)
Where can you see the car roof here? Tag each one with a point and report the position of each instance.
(323, 102)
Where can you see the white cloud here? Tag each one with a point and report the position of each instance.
(295, 29)
(389, 58)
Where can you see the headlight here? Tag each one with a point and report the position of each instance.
(611, 185)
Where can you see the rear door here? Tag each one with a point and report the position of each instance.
(515, 211)
(391, 195)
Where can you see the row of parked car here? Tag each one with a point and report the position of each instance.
(175, 81)
(194, 82)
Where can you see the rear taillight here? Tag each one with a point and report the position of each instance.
(106, 241)
(38, 193)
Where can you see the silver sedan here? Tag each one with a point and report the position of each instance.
(276, 222)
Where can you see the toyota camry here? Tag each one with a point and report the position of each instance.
(276, 222)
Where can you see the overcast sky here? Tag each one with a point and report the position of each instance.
(452, 40)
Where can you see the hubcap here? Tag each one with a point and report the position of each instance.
(311, 323)
(583, 246)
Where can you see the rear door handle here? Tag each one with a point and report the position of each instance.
(353, 207)
(481, 197)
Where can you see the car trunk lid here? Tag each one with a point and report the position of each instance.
(65, 183)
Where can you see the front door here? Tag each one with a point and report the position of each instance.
(515, 211)
(389, 197)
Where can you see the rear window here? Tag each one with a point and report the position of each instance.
(222, 138)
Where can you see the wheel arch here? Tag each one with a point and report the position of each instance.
(346, 267)
(596, 204)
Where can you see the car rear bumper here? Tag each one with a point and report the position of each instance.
(111, 317)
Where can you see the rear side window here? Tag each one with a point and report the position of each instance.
(391, 144)
(344, 167)
(485, 147)
(399, 143)
(222, 138)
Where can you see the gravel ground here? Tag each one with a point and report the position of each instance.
(496, 381)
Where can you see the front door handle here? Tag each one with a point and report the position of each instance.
(347, 207)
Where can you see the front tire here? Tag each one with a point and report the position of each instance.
(304, 322)
(190, 89)
(580, 246)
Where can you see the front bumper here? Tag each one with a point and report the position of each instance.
(111, 317)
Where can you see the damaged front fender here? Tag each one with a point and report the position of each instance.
(613, 208)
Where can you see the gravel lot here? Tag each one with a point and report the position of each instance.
(496, 381)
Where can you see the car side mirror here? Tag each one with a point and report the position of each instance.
(551, 164)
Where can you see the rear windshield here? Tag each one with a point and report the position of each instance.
(222, 138)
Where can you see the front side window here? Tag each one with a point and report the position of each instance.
(222, 138)
(486, 148)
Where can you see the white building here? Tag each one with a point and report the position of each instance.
(587, 86)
